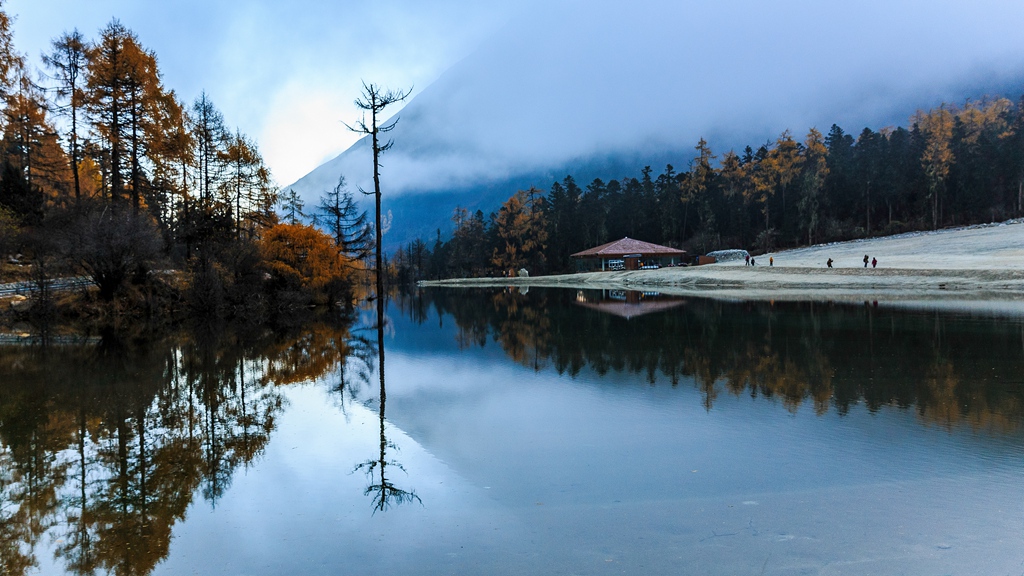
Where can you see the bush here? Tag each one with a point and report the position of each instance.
(113, 244)
(303, 260)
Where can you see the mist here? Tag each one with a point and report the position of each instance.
(573, 80)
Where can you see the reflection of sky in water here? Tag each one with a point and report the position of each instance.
(524, 472)
(300, 509)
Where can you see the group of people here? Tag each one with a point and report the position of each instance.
(873, 261)
(751, 262)
(771, 261)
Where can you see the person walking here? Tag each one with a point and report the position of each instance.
(753, 262)
(747, 260)
(771, 260)
(865, 260)
(829, 263)
(874, 262)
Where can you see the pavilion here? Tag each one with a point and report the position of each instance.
(628, 254)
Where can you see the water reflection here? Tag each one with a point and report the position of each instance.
(106, 443)
(626, 303)
(952, 369)
(105, 446)
(383, 491)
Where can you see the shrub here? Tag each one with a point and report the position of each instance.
(303, 259)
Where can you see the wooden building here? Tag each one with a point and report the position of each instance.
(628, 254)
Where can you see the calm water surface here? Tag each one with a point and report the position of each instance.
(552, 432)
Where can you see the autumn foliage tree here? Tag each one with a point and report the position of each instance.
(951, 165)
(304, 262)
(522, 231)
(34, 164)
(67, 62)
(100, 134)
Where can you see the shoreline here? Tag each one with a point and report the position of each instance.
(977, 268)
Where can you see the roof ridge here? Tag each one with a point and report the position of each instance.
(627, 245)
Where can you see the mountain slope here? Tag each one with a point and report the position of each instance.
(600, 90)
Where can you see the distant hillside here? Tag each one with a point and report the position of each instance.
(628, 86)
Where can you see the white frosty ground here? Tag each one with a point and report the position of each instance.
(987, 247)
(977, 268)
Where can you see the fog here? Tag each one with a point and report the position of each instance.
(569, 80)
(285, 73)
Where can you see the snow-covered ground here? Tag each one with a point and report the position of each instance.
(976, 268)
(985, 247)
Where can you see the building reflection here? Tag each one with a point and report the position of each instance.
(626, 303)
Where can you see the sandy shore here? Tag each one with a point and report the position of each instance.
(976, 268)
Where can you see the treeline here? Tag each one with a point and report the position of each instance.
(107, 172)
(954, 165)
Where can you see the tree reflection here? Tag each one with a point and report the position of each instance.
(384, 492)
(950, 368)
(105, 446)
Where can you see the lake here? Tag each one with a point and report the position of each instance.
(523, 432)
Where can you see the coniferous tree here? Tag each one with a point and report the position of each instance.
(937, 129)
(67, 63)
(815, 171)
(344, 221)
(522, 231)
(868, 162)
(31, 151)
(293, 207)
(211, 137)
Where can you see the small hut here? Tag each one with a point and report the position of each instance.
(628, 254)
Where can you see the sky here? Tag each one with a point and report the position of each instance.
(576, 80)
(503, 88)
(285, 73)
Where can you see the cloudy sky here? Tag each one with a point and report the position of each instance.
(285, 73)
(500, 89)
(577, 80)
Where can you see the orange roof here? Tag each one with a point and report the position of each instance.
(620, 248)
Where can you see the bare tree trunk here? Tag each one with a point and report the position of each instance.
(374, 99)
(74, 150)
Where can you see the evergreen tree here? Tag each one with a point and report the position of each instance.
(521, 227)
(67, 62)
(345, 223)
(293, 207)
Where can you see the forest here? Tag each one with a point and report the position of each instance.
(952, 166)
(107, 173)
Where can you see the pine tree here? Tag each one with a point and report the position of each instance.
(293, 206)
(67, 62)
(348, 226)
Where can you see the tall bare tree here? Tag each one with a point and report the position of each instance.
(374, 100)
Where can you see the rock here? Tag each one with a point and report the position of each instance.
(524, 273)
(21, 305)
(727, 255)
